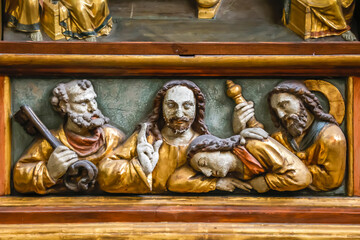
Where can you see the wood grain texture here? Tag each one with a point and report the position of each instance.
(350, 135)
(137, 209)
(356, 144)
(193, 231)
(5, 135)
(161, 48)
(156, 200)
(167, 65)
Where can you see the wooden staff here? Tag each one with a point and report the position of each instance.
(234, 92)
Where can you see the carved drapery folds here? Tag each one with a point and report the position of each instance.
(172, 150)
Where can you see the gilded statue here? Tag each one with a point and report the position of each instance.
(304, 129)
(79, 19)
(207, 8)
(320, 18)
(262, 164)
(85, 135)
(154, 158)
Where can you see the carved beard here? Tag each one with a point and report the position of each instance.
(179, 125)
(88, 120)
(295, 123)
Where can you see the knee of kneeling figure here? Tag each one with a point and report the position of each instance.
(207, 3)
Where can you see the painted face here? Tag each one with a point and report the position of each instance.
(179, 108)
(216, 164)
(291, 112)
(82, 101)
(82, 107)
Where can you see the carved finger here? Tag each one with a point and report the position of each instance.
(157, 145)
(240, 106)
(71, 161)
(253, 136)
(262, 132)
(248, 114)
(142, 134)
(242, 185)
(145, 163)
(246, 108)
(65, 154)
(145, 147)
(70, 156)
(154, 160)
(60, 149)
(242, 141)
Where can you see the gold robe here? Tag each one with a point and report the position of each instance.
(325, 158)
(78, 18)
(31, 174)
(329, 17)
(23, 15)
(85, 18)
(283, 170)
(122, 172)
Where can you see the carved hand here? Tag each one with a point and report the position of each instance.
(148, 154)
(243, 112)
(229, 184)
(259, 184)
(253, 133)
(59, 162)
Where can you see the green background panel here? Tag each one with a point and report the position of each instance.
(127, 101)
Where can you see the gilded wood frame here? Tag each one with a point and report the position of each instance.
(224, 212)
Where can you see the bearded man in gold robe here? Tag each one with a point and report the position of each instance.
(154, 158)
(84, 134)
(306, 130)
(81, 19)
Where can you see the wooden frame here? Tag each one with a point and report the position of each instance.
(228, 216)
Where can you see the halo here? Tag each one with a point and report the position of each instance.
(333, 95)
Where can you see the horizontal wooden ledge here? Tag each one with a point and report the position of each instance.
(198, 48)
(226, 214)
(112, 201)
(167, 65)
(179, 209)
(193, 231)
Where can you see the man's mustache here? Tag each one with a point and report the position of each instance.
(179, 120)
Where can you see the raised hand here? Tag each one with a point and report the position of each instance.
(148, 154)
(59, 162)
(229, 184)
(243, 112)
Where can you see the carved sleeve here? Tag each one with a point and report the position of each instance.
(284, 170)
(327, 159)
(122, 172)
(185, 179)
(30, 172)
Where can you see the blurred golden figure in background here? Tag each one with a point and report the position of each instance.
(81, 19)
(320, 18)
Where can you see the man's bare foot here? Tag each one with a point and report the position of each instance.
(90, 39)
(36, 36)
(348, 36)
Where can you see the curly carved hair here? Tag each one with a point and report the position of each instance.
(60, 94)
(309, 100)
(211, 143)
(155, 119)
